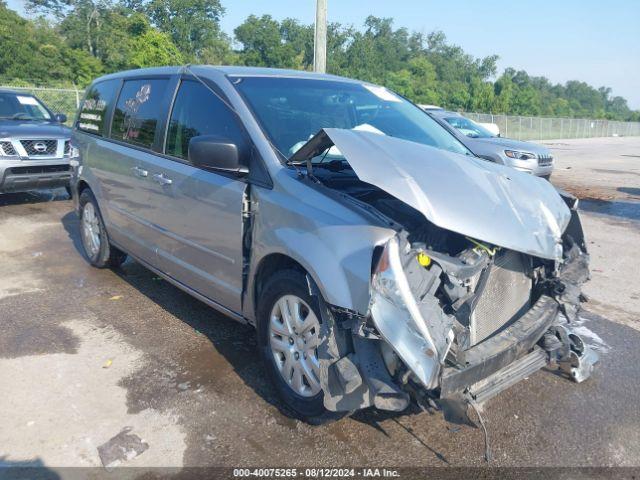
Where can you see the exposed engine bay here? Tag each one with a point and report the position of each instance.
(452, 318)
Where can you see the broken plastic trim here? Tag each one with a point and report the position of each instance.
(352, 371)
(396, 315)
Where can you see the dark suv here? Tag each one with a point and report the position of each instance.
(35, 148)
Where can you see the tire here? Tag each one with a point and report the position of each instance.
(95, 241)
(285, 286)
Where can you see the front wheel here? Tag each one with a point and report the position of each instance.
(95, 240)
(288, 336)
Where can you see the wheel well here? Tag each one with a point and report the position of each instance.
(82, 185)
(268, 266)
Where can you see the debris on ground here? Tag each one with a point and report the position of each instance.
(107, 364)
(121, 448)
(116, 297)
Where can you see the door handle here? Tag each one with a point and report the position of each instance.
(162, 179)
(139, 172)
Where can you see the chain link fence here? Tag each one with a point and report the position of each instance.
(546, 128)
(59, 100)
(67, 100)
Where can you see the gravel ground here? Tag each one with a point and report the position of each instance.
(87, 353)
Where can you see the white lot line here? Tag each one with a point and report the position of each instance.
(58, 408)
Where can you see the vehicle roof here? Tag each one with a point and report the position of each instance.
(231, 71)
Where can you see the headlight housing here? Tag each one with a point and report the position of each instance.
(520, 155)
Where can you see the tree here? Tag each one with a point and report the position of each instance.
(193, 25)
(83, 17)
(153, 49)
(269, 43)
(34, 52)
(418, 82)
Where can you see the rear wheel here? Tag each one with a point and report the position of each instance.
(288, 336)
(95, 240)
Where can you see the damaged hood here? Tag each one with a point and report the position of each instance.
(464, 194)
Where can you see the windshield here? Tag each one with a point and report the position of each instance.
(469, 127)
(292, 110)
(15, 106)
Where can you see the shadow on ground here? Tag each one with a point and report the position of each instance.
(35, 196)
(633, 191)
(27, 469)
(628, 210)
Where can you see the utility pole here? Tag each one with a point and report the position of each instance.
(320, 43)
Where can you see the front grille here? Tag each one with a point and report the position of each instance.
(7, 149)
(39, 147)
(67, 148)
(506, 296)
(39, 169)
(545, 159)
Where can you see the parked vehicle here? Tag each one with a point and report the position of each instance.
(524, 156)
(493, 128)
(35, 148)
(380, 261)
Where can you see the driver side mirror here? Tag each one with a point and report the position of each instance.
(212, 152)
(60, 117)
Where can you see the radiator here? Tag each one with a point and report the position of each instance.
(506, 296)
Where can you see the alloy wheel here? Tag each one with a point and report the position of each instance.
(294, 337)
(90, 229)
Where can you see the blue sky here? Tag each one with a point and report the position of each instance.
(591, 40)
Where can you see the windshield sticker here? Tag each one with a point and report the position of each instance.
(27, 100)
(93, 104)
(382, 93)
(88, 126)
(91, 121)
(131, 122)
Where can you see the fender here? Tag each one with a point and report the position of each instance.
(331, 242)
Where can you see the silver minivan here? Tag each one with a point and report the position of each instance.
(381, 262)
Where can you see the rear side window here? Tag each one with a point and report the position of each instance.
(99, 98)
(137, 112)
(197, 111)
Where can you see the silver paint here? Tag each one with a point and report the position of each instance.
(461, 193)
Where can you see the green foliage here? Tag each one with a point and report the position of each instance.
(77, 40)
(153, 49)
(193, 25)
(269, 43)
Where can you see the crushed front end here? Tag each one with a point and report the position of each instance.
(457, 325)
(477, 289)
